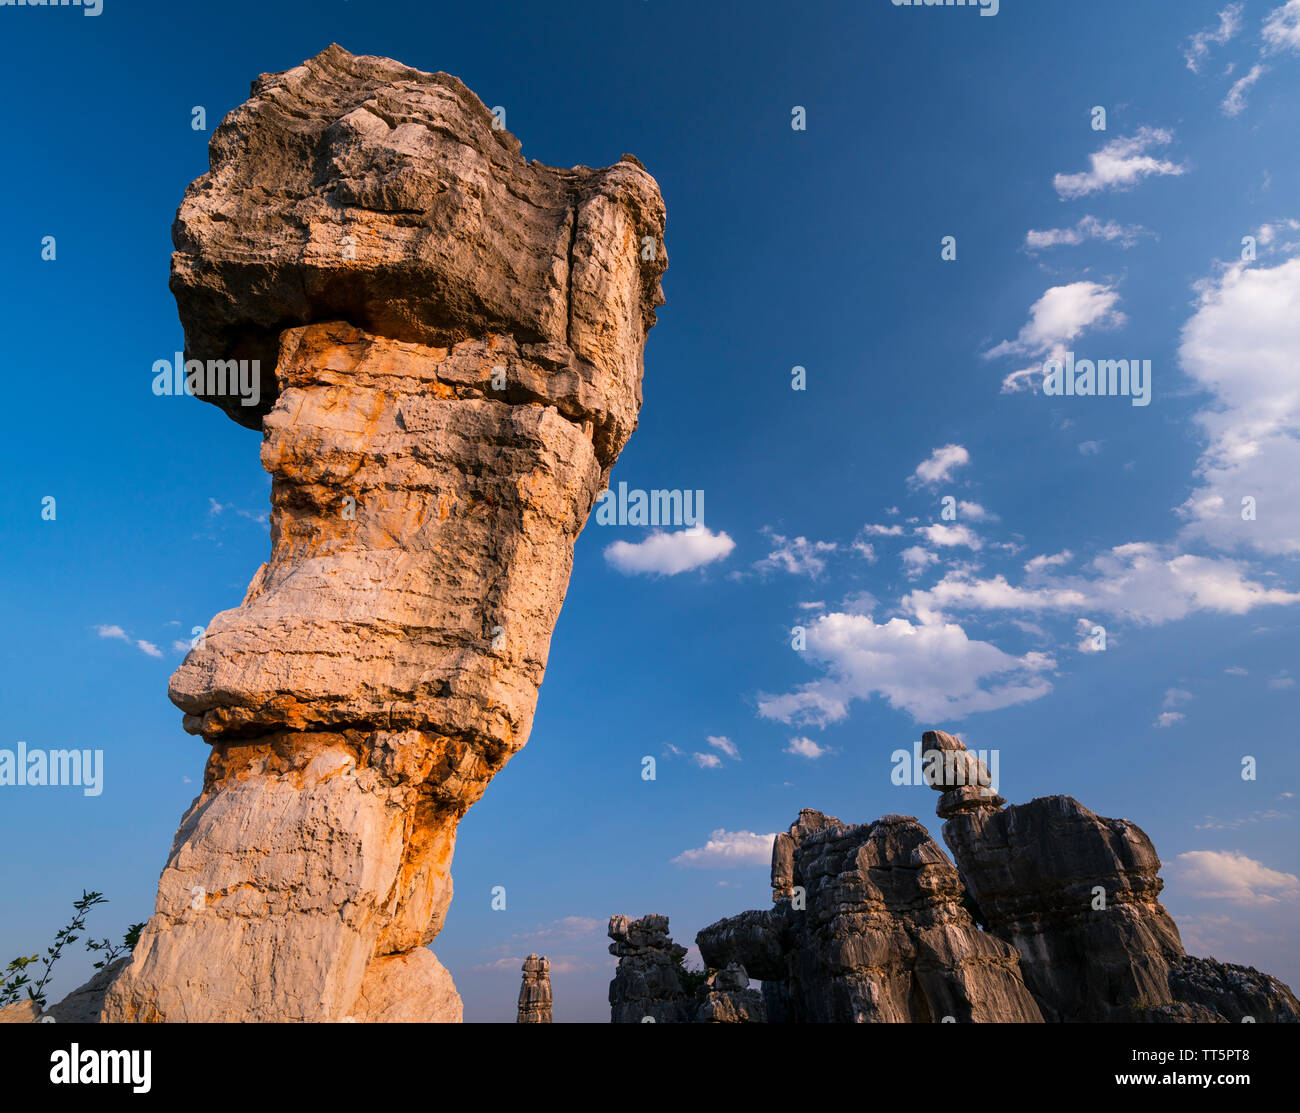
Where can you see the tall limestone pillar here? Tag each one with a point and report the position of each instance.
(442, 345)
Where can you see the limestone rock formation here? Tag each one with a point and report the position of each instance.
(449, 346)
(646, 985)
(535, 992)
(869, 925)
(725, 998)
(20, 1012)
(1078, 896)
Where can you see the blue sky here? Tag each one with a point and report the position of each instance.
(818, 248)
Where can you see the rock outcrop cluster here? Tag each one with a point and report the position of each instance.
(447, 342)
(1051, 914)
(535, 992)
(652, 984)
(870, 924)
(1077, 895)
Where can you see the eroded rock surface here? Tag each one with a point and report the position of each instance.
(535, 992)
(1078, 896)
(647, 986)
(869, 925)
(725, 998)
(450, 342)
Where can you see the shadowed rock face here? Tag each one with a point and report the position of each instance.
(869, 926)
(1078, 896)
(535, 992)
(451, 347)
(872, 923)
(646, 983)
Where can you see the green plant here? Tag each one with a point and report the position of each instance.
(692, 981)
(114, 951)
(14, 979)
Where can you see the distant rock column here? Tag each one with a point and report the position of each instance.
(535, 992)
(441, 343)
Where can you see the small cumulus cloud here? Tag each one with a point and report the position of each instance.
(805, 747)
(668, 554)
(727, 849)
(939, 466)
(1120, 164)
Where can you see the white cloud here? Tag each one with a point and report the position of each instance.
(1281, 682)
(799, 557)
(1120, 164)
(940, 465)
(1169, 718)
(916, 560)
(974, 512)
(1143, 583)
(1235, 102)
(886, 531)
(944, 536)
(1088, 642)
(1198, 46)
(1176, 697)
(118, 634)
(727, 849)
(1241, 347)
(805, 747)
(1090, 448)
(1088, 228)
(1230, 875)
(1056, 319)
(707, 761)
(1282, 27)
(724, 745)
(932, 671)
(1237, 670)
(1039, 563)
(667, 554)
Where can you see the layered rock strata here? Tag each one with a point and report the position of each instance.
(647, 985)
(446, 348)
(1052, 913)
(1077, 895)
(535, 992)
(869, 925)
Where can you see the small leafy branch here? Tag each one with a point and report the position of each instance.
(114, 951)
(14, 980)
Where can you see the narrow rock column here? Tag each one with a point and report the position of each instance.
(535, 992)
(441, 343)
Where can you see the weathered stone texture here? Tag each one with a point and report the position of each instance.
(647, 983)
(1078, 896)
(535, 992)
(451, 341)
